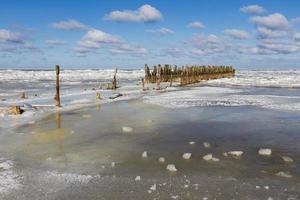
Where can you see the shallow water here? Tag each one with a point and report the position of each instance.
(68, 155)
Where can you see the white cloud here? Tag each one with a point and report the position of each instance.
(279, 47)
(69, 25)
(8, 36)
(237, 33)
(55, 42)
(274, 21)
(175, 52)
(206, 45)
(297, 36)
(145, 13)
(93, 39)
(129, 49)
(252, 9)
(196, 24)
(269, 33)
(296, 20)
(161, 31)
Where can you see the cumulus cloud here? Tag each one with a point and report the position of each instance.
(237, 34)
(174, 52)
(252, 9)
(70, 24)
(297, 36)
(145, 13)
(264, 32)
(274, 21)
(161, 31)
(129, 49)
(206, 45)
(279, 47)
(196, 24)
(8, 36)
(93, 39)
(55, 42)
(296, 20)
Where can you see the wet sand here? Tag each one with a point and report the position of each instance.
(69, 155)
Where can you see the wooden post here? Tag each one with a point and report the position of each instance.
(57, 96)
(98, 95)
(23, 95)
(114, 81)
(171, 80)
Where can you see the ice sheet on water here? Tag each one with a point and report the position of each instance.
(215, 96)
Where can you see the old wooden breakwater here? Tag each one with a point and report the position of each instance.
(186, 74)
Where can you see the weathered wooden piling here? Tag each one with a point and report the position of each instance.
(23, 95)
(57, 95)
(114, 81)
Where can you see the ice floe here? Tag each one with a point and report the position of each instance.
(171, 168)
(145, 154)
(161, 160)
(186, 156)
(265, 151)
(127, 129)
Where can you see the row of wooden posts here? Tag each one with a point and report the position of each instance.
(185, 74)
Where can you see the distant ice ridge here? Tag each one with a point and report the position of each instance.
(216, 96)
(68, 75)
(287, 79)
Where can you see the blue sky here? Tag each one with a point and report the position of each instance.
(128, 34)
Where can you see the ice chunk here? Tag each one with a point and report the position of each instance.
(235, 153)
(144, 154)
(161, 160)
(138, 178)
(186, 156)
(127, 129)
(287, 159)
(153, 187)
(206, 144)
(171, 168)
(191, 142)
(113, 164)
(264, 152)
(209, 157)
(284, 174)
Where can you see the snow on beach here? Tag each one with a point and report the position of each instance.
(79, 87)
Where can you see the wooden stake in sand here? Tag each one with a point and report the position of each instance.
(57, 96)
(23, 95)
(114, 81)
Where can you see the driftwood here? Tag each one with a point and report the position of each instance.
(116, 96)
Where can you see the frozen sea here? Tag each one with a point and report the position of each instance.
(81, 150)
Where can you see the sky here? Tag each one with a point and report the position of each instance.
(85, 34)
